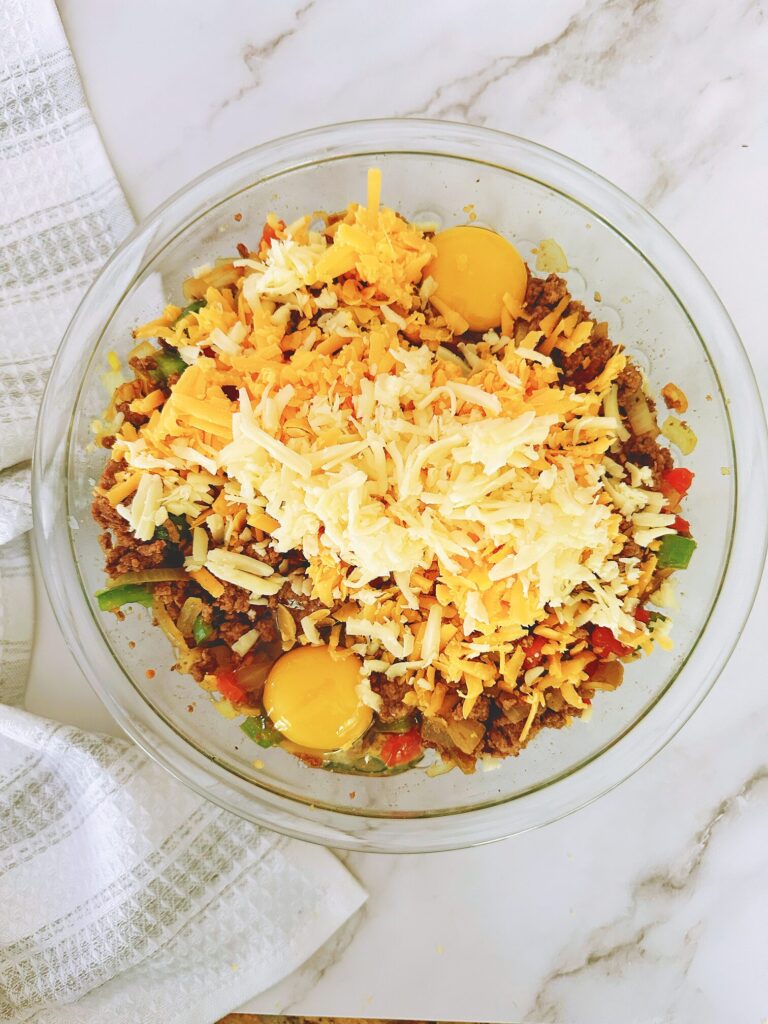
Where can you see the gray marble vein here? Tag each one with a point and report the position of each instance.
(568, 43)
(255, 53)
(616, 947)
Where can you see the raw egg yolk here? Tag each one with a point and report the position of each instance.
(312, 698)
(473, 270)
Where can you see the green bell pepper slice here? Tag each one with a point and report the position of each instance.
(675, 551)
(193, 307)
(201, 630)
(181, 524)
(130, 593)
(168, 364)
(397, 725)
(261, 731)
(368, 764)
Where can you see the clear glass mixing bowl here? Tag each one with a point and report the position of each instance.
(657, 303)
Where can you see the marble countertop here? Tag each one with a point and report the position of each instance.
(650, 905)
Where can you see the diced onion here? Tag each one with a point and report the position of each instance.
(611, 408)
(189, 612)
(466, 735)
(142, 351)
(607, 675)
(665, 596)
(148, 576)
(550, 257)
(679, 434)
(640, 417)
(253, 676)
(169, 627)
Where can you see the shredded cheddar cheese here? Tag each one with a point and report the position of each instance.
(448, 498)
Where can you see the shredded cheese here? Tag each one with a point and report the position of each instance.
(447, 498)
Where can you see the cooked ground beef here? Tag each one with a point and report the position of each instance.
(391, 692)
(112, 468)
(503, 738)
(264, 621)
(231, 629)
(122, 552)
(558, 719)
(629, 382)
(542, 295)
(107, 517)
(284, 561)
(137, 419)
(173, 596)
(145, 368)
(230, 626)
(234, 600)
(481, 709)
(646, 451)
(206, 664)
(133, 558)
(500, 716)
(586, 363)
(270, 557)
(630, 549)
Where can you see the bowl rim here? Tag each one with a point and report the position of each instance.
(426, 135)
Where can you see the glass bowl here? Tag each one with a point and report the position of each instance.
(625, 267)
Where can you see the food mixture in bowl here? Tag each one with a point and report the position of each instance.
(386, 490)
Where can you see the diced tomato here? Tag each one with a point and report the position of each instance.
(643, 615)
(678, 480)
(533, 652)
(604, 642)
(681, 525)
(228, 686)
(402, 748)
(269, 233)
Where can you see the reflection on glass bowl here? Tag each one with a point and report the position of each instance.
(657, 304)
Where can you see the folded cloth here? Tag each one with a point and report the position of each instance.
(62, 213)
(127, 898)
(123, 896)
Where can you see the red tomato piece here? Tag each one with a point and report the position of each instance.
(533, 652)
(604, 642)
(269, 233)
(643, 615)
(678, 479)
(400, 749)
(681, 525)
(228, 686)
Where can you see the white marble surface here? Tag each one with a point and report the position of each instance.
(651, 905)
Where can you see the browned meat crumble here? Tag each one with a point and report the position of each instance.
(498, 716)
